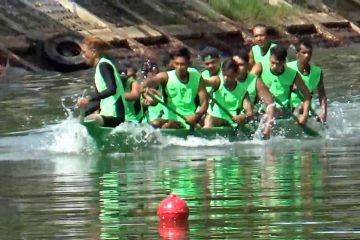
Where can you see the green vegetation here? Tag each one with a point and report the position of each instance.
(253, 11)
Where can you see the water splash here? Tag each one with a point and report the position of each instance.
(69, 136)
(343, 120)
(192, 141)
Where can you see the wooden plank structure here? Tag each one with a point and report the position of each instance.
(145, 30)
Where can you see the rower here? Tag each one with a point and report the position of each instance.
(211, 59)
(281, 80)
(230, 97)
(134, 109)
(153, 111)
(107, 105)
(260, 52)
(184, 87)
(258, 92)
(312, 77)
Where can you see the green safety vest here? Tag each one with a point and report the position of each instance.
(259, 58)
(131, 114)
(311, 81)
(206, 75)
(157, 111)
(108, 105)
(231, 100)
(280, 86)
(181, 96)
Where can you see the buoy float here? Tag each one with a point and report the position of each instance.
(173, 208)
(177, 230)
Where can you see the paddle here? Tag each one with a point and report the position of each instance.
(318, 118)
(312, 110)
(170, 108)
(306, 129)
(229, 115)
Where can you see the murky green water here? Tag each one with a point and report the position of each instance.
(54, 185)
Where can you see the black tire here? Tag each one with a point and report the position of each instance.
(64, 52)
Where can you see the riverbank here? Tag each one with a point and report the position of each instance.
(148, 29)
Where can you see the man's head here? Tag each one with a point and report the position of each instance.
(211, 58)
(229, 70)
(181, 61)
(132, 71)
(260, 35)
(278, 56)
(93, 48)
(149, 68)
(304, 50)
(241, 57)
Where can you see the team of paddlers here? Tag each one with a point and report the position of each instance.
(250, 83)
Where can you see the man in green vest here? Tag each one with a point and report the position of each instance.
(153, 111)
(211, 59)
(134, 109)
(260, 52)
(281, 80)
(185, 95)
(258, 92)
(107, 105)
(231, 95)
(312, 77)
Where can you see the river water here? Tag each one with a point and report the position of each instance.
(56, 185)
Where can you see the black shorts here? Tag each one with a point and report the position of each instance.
(111, 121)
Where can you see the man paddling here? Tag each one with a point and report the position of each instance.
(312, 77)
(260, 52)
(258, 92)
(134, 109)
(153, 111)
(229, 97)
(107, 105)
(211, 59)
(281, 80)
(185, 96)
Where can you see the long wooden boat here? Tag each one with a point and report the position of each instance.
(130, 137)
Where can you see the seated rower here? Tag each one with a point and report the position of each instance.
(183, 89)
(134, 109)
(229, 97)
(107, 106)
(258, 92)
(153, 111)
(211, 59)
(260, 51)
(281, 80)
(312, 77)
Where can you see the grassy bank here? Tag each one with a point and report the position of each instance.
(251, 12)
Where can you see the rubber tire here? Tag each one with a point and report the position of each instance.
(63, 52)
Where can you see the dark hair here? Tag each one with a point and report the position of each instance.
(209, 53)
(305, 42)
(242, 53)
(229, 64)
(182, 52)
(261, 26)
(279, 52)
(122, 66)
(149, 66)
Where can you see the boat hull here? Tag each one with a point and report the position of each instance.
(132, 137)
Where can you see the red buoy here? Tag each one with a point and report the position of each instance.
(174, 230)
(173, 208)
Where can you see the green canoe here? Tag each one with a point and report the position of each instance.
(127, 138)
